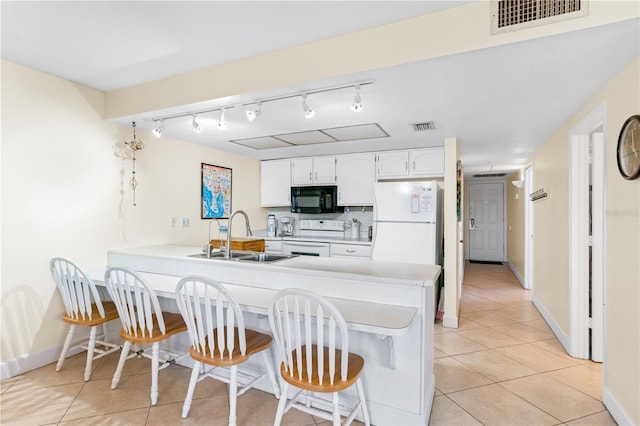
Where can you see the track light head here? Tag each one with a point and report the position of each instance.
(222, 123)
(157, 132)
(197, 127)
(308, 112)
(356, 106)
(253, 114)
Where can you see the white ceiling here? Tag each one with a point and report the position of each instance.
(501, 103)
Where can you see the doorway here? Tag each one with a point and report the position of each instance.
(486, 222)
(587, 238)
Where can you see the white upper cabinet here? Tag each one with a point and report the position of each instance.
(313, 171)
(393, 164)
(356, 176)
(275, 183)
(427, 162)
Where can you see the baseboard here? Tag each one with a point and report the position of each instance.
(33, 360)
(516, 273)
(551, 322)
(450, 321)
(615, 409)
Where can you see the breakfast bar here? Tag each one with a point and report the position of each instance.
(388, 308)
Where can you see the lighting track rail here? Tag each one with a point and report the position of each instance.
(253, 114)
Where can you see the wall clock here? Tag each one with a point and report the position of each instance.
(629, 148)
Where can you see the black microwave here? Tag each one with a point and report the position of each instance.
(315, 199)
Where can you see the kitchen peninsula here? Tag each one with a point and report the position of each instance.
(388, 308)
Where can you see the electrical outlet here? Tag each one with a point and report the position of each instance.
(174, 222)
(185, 222)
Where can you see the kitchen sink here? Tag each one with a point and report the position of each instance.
(246, 256)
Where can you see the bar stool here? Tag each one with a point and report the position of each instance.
(309, 364)
(220, 339)
(143, 323)
(84, 307)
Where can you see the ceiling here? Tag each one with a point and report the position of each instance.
(502, 103)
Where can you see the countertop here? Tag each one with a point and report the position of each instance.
(354, 269)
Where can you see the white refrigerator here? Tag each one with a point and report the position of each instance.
(406, 222)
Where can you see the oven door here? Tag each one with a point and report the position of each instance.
(305, 248)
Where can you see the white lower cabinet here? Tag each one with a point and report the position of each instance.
(350, 250)
(273, 246)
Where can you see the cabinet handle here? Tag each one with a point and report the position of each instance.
(351, 251)
(414, 165)
(406, 165)
(316, 175)
(310, 179)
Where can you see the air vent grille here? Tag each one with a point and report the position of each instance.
(509, 13)
(421, 127)
(489, 175)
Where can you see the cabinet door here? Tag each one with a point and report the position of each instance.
(356, 176)
(275, 183)
(301, 171)
(324, 170)
(393, 164)
(427, 162)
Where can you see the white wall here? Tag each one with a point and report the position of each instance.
(61, 196)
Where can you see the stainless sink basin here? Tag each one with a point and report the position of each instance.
(246, 256)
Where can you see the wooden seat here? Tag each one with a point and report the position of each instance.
(306, 328)
(83, 308)
(219, 338)
(143, 323)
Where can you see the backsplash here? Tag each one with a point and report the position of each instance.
(350, 213)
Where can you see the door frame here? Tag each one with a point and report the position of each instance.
(528, 229)
(579, 140)
(504, 215)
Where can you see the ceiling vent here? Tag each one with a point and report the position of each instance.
(421, 127)
(489, 175)
(510, 15)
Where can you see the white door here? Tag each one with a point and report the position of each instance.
(486, 222)
(301, 171)
(528, 229)
(324, 170)
(356, 176)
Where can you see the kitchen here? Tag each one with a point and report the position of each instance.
(75, 197)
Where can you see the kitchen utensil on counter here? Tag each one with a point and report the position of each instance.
(286, 226)
(355, 229)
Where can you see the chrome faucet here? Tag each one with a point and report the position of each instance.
(208, 247)
(249, 233)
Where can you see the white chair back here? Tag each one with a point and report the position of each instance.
(135, 300)
(298, 320)
(77, 289)
(196, 296)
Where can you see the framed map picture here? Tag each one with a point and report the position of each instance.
(216, 192)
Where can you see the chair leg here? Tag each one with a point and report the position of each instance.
(90, 348)
(233, 394)
(363, 402)
(123, 358)
(65, 347)
(336, 410)
(155, 367)
(195, 372)
(105, 334)
(270, 372)
(282, 403)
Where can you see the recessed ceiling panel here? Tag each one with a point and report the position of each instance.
(352, 133)
(265, 142)
(305, 138)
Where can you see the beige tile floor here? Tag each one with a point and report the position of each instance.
(502, 366)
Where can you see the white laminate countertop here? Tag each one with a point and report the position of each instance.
(355, 269)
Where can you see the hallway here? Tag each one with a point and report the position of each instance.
(505, 366)
(501, 367)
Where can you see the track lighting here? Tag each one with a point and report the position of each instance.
(308, 112)
(157, 132)
(222, 124)
(253, 114)
(196, 126)
(356, 106)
